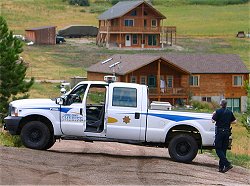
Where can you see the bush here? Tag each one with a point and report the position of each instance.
(97, 9)
(79, 2)
(204, 106)
(10, 141)
(113, 2)
(246, 116)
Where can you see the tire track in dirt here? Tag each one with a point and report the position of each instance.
(80, 163)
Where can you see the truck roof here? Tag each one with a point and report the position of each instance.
(105, 83)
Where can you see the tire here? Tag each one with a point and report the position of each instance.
(51, 142)
(183, 148)
(36, 135)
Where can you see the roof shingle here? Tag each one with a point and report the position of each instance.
(192, 63)
(122, 8)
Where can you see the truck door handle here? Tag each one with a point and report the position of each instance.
(137, 115)
(80, 111)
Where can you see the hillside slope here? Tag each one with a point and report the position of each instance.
(189, 19)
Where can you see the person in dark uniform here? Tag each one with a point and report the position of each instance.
(223, 118)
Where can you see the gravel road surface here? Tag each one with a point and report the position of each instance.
(99, 163)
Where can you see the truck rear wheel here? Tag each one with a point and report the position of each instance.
(183, 148)
(51, 142)
(35, 135)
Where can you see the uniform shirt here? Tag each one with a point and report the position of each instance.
(223, 118)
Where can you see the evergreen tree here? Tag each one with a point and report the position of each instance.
(12, 69)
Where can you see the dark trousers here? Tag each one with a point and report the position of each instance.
(221, 144)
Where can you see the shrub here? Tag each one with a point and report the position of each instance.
(97, 9)
(246, 116)
(113, 2)
(10, 141)
(205, 106)
(79, 2)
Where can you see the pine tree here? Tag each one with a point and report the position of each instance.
(12, 70)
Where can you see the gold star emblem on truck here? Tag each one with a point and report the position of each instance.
(126, 119)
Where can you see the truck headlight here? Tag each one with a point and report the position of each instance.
(13, 111)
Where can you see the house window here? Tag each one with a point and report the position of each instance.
(233, 104)
(129, 22)
(206, 99)
(152, 40)
(133, 79)
(143, 80)
(133, 13)
(124, 97)
(151, 81)
(237, 81)
(145, 13)
(135, 39)
(154, 23)
(170, 81)
(194, 81)
(145, 22)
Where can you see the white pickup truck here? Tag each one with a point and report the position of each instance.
(121, 114)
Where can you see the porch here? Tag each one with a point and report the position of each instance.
(165, 81)
(136, 36)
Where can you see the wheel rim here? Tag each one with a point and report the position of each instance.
(35, 135)
(183, 148)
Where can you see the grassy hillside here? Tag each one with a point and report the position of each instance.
(207, 20)
(194, 22)
(190, 19)
(25, 14)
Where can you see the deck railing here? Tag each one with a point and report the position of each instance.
(130, 29)
(168, 91)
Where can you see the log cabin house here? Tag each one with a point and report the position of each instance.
(177, 78)
(133, 24)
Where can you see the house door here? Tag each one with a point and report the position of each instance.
(127, 40)
(233, 104)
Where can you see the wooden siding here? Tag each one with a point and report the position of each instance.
(113, 31)
(118, 24)
(209, 84)
(218, 85)
(42, 36)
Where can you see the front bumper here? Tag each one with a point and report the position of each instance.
(11, 124)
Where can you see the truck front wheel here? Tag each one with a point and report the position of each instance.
(183, 148)
(35, 135)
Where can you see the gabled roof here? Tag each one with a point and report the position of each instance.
(187, 63)
(123, 7)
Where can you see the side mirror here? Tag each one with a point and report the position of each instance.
(59, 101)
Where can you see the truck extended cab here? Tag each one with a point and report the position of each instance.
(122, 114)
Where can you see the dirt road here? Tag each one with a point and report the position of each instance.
(98, 163)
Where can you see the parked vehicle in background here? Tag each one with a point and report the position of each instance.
(21, 37)
(60, 39)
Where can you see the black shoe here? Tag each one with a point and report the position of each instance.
(227, 168)
(221, 169)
